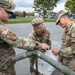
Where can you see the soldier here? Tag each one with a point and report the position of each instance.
(39, 34)
(9, 39)
(67, 51)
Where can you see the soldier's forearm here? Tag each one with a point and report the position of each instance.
(69, 50)
(24, 43)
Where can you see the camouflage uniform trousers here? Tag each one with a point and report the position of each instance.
(32, 61)
(9, 71)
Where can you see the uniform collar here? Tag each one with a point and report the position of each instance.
(67, 29)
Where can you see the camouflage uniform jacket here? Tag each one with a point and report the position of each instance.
(68, 47)
(42, 39)
(8, 40)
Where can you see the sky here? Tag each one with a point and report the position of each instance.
(26, 5)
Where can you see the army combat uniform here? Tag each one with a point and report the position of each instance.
(42, 39)
(67, 57)
(9, 39)
(67, 52)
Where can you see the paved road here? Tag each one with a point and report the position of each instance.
(22, 67)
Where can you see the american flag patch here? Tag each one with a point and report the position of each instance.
(5, 31)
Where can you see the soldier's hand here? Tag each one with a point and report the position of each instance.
(55, 51)
(44, 46)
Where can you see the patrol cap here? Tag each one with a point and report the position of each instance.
(59, 15)
(7, 5)
(38, 23)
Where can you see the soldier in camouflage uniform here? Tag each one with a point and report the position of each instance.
(39, 34)
(9, 40)
(67, 52)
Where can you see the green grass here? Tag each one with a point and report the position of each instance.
(25, 20)
(49, 20)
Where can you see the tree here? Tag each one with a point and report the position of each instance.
(70, 6)
(20, 14)
(44, 6)
(24, 14)
(30, 14)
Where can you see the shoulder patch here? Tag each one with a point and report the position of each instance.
(5, 32)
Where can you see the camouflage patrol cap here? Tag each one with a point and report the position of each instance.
(38, 23)
(7, 5)
(59, 15)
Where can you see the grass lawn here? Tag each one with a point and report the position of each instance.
(25, 20)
